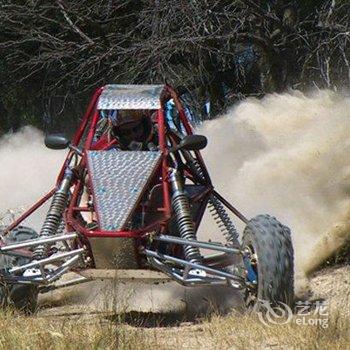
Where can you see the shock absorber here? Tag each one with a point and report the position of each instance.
(217, 210)
(54, 215)
(223, 221)
(184, 220)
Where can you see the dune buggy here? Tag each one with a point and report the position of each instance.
(136, 214)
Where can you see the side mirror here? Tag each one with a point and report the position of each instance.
(56, 141)
(192, 143)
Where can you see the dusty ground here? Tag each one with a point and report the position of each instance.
(169, 300)
(80, 325)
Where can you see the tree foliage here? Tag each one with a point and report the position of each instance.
(53, 53)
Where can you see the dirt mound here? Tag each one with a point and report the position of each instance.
(333, 285)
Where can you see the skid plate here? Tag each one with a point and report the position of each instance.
(119, 179)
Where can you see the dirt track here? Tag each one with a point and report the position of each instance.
(111, 297)
(129, 297)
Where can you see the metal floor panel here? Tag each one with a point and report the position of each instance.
(118, 179)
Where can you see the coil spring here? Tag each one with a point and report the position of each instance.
(185, 225)
(184, 220)
(223, 221)
(61, 228)
(52, 223)
(218, 212)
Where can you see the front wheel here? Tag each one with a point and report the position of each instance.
(269, 262)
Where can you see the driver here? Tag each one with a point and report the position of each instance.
(134, 130)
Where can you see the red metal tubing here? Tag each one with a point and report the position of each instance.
(230, 207)
(188, 129)
(91, 133)
(72, 205)
(64, 166)
(161, 130)
(82, 127)
(181, 111)
(85, 209)
(165, 169)
(80, 132)
(121, 234)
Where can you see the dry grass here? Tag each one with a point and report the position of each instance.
(80, 329)
(232, 332)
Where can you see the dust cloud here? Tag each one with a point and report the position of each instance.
(28, 171)
(288, 155)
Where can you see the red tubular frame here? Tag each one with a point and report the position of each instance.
(165, 169)
(92, 114)
(91, 107)
(72, 223)
(188, 129)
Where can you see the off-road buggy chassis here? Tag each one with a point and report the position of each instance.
(136, 213)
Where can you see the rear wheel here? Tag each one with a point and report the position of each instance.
(22, 296)
(269, 262)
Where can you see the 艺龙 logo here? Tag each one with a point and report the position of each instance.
(306, 313)
(280, 313)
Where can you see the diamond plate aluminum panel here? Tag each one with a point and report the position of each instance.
(130, 97)
(118, 179)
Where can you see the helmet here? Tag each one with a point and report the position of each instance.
(133, 127)
(129, 118)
